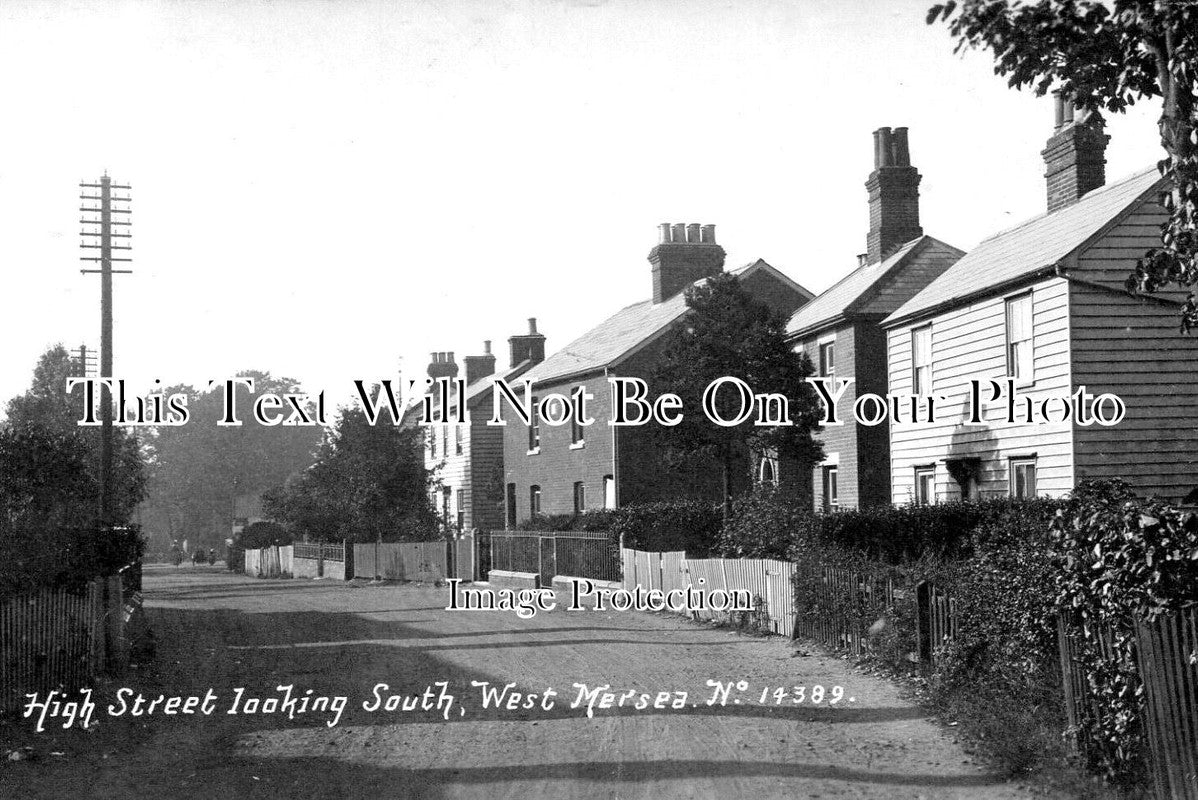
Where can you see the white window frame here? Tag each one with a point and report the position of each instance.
(1015, 463)
(918, 386)
(921, 473)
(1026, 344)
(831, 488)
(826, 369)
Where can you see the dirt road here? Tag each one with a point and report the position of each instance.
(217, 633)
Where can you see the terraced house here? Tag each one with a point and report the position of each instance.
(466, 461)
(1044, 305)
(561, 469)
(840, 330)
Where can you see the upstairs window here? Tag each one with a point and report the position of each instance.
(534, 430)
(457, 439)
(827, 359)
(432, 442)
(1020, 365)
(921, 360)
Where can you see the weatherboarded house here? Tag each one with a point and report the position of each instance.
(1044, 304)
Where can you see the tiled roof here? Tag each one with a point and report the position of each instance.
(1029, 248)
(832, 303)
(624, 333)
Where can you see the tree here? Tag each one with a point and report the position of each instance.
(728, 333)
(50, 531)
(199, 468)
(368, 484)
(47, 407)
(1108, 56)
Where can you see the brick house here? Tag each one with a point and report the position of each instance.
(466, 461)
(840, 330)
(569, 468)
(1044, 305)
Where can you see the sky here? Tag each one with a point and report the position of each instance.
(331, 190)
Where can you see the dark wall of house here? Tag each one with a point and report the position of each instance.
(863, 474)
(557, 465)
(872, 461)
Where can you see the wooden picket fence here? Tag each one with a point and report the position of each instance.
(1167, 653)
(846, 604)
(769, 581)
(57, 638)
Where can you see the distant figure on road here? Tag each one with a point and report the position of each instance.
(212, 556)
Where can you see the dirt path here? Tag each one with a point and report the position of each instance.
(222, 632)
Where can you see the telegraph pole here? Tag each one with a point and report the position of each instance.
(105, 218)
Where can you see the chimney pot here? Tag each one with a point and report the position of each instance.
(707, 234)
(663, 233)
(486, 347)
(692, 233)
(532, 325)
(882, 153)
(862, 259)
(678, 233)
(900, 153)
(450, 354)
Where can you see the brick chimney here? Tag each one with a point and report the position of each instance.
(528, 347)
(1075, 156)
(893, 189)
(683, 255)
(480, 366)
(442, 365)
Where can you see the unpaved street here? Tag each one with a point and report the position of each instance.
(221, 632)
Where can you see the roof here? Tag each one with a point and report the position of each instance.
(839, 300)
(1030, 248)
(627, 331)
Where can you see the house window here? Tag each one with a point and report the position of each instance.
(831, 490)
(534, 430)
(925, 485)
(534, 500)
(609, 491)
(1023, 477)
(827, 359)
(1020, 365)
(445, 439)
(457, 439)
(767, 474)
(580, 497)
(446, 495)
(511, 505)
(432, 443)
(460, 500)
(576, 435)
(921, 360)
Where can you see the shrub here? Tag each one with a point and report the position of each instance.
(690, 525)
(1120, 559)
(263, 534)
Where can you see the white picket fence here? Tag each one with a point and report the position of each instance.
(765, 578)
(270, 562)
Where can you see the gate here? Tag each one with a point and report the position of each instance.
(548, 559)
